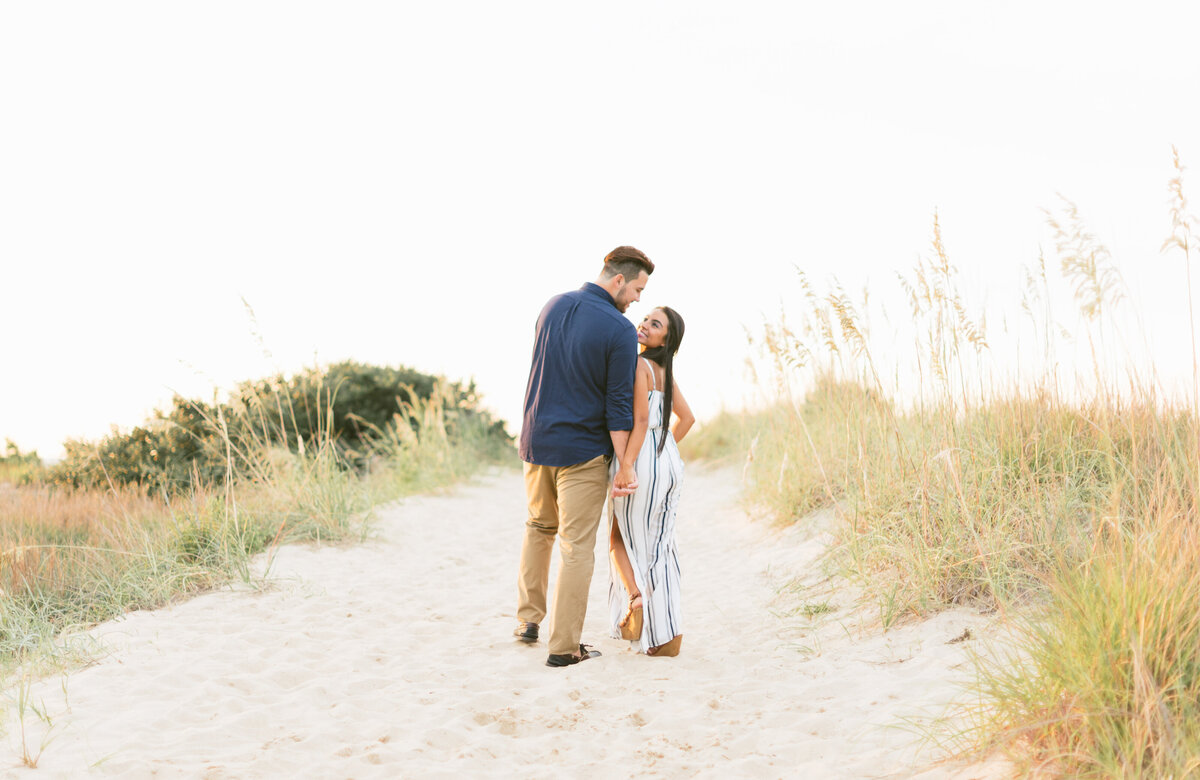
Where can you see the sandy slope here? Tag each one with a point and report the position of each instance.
(394, 658)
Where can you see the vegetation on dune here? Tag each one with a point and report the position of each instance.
(19, 468)
(1072, 515)
(349, 405)
(181, 504)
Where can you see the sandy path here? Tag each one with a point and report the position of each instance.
(394, 658)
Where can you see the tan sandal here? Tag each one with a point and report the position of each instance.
(668, 650)
(631, 624)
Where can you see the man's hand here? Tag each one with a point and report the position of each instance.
(625, 482)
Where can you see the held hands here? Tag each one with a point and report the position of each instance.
(625, 482)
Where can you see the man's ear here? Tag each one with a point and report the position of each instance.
(620, 280)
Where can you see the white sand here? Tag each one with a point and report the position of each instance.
(395, 659)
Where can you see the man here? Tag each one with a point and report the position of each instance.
(578, 413)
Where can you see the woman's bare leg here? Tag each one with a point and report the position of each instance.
(620, 559)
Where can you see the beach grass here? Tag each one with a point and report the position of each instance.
(19, 468)
(73, 557)
(1071, 513)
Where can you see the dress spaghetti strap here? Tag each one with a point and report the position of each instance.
(653, 381)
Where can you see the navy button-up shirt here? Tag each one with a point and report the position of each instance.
(581, 381)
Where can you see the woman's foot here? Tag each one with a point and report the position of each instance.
(631, 624)
(670, 649)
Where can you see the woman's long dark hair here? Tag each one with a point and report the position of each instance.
(664, 355)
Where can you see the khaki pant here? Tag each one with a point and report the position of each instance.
(566, 501)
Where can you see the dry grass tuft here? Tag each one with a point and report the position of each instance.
(72, 557)
(1076, 517)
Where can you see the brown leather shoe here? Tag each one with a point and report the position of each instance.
(585, 652)
(526, 632)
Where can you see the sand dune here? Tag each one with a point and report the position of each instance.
(394, 659)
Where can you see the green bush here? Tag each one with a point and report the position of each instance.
(349, 405)
(18, 467)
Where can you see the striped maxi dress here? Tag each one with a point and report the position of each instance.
(647, 522)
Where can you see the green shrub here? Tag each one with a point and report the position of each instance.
(350, 406)
(20, 468)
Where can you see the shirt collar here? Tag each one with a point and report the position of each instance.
(599, 292)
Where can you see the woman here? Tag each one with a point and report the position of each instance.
(644, 568)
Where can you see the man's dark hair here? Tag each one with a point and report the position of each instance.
(627, 261)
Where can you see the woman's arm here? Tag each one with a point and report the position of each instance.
(641, 422)
(680, 408)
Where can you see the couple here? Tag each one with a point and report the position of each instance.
(590, 397)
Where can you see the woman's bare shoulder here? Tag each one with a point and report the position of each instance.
(655, 373)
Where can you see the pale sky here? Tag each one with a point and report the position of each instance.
(403, 183)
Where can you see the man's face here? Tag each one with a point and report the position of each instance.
(631, 292)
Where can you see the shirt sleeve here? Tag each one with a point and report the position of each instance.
(622, 365)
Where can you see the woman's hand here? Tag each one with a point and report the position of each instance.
(625, 482)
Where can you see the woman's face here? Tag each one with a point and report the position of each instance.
(653, 330)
